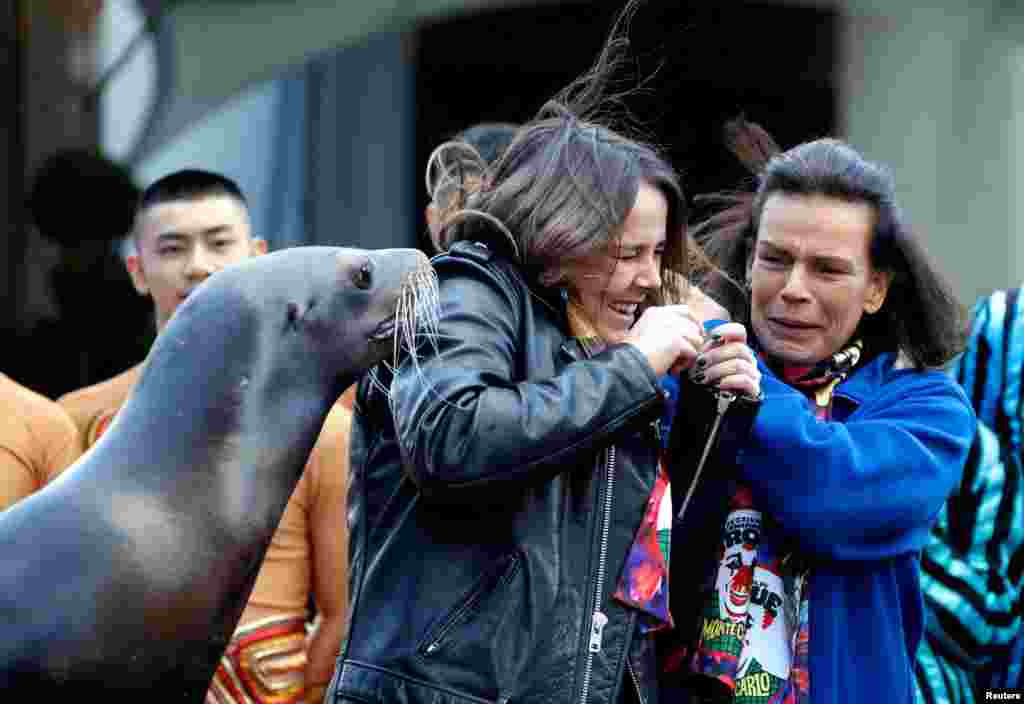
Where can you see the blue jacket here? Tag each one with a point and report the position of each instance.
(859, 496)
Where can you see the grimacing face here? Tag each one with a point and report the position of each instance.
(811, 276)
(180, 243)
(611, 283)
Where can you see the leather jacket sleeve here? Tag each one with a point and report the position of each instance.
(468, 416)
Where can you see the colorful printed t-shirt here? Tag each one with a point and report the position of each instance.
(754, 629)
(755, 632)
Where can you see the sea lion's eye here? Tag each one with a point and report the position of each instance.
(363, 276)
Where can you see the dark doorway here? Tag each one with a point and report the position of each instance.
(774, 63)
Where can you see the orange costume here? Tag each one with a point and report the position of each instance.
(37, 441)
(93, 407)
(269, 656)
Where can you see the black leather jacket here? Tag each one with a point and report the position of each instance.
(490, 517)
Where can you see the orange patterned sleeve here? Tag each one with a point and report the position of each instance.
(61, 442)
(37, 441)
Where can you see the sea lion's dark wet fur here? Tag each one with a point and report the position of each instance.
(126, 577)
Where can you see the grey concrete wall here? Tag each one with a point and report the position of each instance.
(362, 138)
(936, 90)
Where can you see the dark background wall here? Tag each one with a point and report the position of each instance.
(12, 237)
(710, 60)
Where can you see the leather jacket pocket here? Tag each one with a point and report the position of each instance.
(488, 588)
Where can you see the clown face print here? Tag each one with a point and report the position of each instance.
(736, 569)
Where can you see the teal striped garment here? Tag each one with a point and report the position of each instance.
(971, 567)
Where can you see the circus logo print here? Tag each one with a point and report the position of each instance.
(768, 641)
(769, 601)
(736, 570)
(758, 687)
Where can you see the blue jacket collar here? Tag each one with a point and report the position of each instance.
(862, 384)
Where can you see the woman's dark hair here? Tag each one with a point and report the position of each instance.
(565, 187)
(567, 182)
(490, 139)
(920, 317)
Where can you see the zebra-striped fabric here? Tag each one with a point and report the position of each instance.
(971, 568)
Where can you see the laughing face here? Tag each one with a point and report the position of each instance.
(611, 283)
(811, 276)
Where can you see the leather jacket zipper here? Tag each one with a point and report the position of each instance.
(481, 591)
(636, 682)
(598, 619)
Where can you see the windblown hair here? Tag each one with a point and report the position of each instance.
(567, 182)
(490, 139)
(921, 316)
(460, 166)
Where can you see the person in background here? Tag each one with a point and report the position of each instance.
(100, 327)
(189, 225)
(972, 566)
(488, 141)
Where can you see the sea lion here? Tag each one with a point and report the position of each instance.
(126, 577)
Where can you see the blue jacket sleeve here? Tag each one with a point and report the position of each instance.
(473, 413)
(868, 488)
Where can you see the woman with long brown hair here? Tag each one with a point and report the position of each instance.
(803, 583)
(506, 484)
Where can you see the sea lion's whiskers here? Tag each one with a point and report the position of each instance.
(375, 381)
(417, 314)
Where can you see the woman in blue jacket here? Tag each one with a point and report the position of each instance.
(811, 593)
